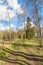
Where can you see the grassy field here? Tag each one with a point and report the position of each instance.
(27, 46)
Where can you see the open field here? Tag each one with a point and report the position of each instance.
(21, 53)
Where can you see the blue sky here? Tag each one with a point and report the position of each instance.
(11, 10)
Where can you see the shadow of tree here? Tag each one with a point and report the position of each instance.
(25, 45)
(24, 55)
(14, 61)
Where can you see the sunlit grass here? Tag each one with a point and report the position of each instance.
(31, 45)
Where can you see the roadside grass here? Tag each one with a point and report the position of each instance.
(3, 54)
(35, 49)
(38, 52)
(31, 45)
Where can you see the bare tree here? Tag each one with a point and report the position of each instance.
(9, 21)
(36, 17)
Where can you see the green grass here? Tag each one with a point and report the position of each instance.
(2, 53)
(35, 49)
(31, 45)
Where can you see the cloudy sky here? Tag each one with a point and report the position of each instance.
(11, 10)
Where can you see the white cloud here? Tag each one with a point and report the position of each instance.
(12, 13)
(14, 4)
(20, 11)
(17, 7)
(3, 12)
(2, 27)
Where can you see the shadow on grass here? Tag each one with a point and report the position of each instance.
(20, 62)
(25, 45)
(24, 55)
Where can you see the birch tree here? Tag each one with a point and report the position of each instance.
(35, 10)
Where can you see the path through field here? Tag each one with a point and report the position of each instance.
(18, 57)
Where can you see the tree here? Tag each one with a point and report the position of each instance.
(37, 18)
(29, 29)
(35, 13)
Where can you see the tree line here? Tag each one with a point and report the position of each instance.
(28, 30)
